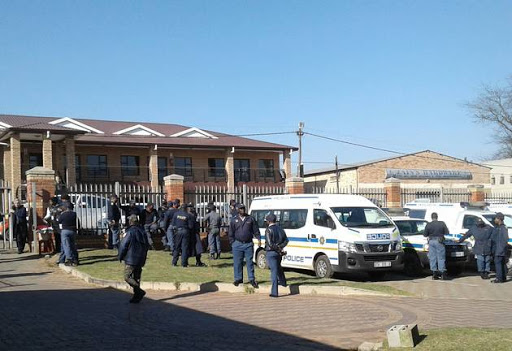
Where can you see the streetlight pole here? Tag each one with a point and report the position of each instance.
(300, 133)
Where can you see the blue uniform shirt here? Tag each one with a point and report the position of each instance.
(182, 219)
(243, 229)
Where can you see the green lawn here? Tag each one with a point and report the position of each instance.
(104, 264)
(451, 339)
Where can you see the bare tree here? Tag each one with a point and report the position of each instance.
(493, 107)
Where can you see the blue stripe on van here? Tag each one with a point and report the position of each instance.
(333, 258)
(331, 241)
(412, 246)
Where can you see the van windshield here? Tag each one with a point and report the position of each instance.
(361, 217)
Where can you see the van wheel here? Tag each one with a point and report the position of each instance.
(261, 259)
(323, 268)
(412, 264)
(376, 275)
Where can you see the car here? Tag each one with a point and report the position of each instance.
(416, 247)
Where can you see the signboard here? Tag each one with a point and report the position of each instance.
(427, 174)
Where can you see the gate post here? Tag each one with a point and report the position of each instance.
(44, 181)
(295, 185)
(393, 193)
(174, 188)
(477, 193)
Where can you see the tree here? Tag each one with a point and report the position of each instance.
(493, 107)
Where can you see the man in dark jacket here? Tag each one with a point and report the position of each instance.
(168, 239)
(68, 229)
(114, 217)
(195, 245)
(481, 232)
(131, 209)
(134, 251)
(20, 225)
(275, 241)
(499, 242)
(149, 219)
(184, 224)
(214, 222)
(435, 232)
(242, 229)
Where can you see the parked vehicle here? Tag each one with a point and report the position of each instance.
(332, 233)
(416, 247)
(91, 212)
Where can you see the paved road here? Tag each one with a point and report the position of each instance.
(42, 307)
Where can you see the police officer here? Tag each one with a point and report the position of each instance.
(214, 222)
(168, 239)
(114, 217)
(242, 229)
(435, 232)
(68, 229)
(499, 242)
(195, 246)
(275, 242)
(184, 224)
(149, 218)
(20, 225)
(481, 232)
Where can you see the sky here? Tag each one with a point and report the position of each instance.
(389, 74)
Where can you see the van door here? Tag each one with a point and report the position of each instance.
(322, 236)
(298, 251)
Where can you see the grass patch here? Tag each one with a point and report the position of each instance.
(452, 339)
(104, 264)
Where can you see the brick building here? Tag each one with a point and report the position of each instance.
(425, 169)
(97, 151)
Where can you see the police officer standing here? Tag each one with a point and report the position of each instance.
(242, 229)
(435, 232)
(68, 229)
(499, 242)
(114, 217)
(149, 218)
(184, 225)
(214, 222)
(275, 241)
(20, 225)
(168, 239)
(195, 245)
(481, 232)
(134, 251)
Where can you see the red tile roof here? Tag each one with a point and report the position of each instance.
(110, 127)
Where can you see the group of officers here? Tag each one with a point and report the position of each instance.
(490, 243)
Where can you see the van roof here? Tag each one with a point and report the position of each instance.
(324, 199)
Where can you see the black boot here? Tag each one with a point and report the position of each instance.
(444, 276)
(435, 275)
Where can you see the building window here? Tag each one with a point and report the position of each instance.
(493, 180)
(35, 160)
(129, 166)
(266, 168)
(502, 180)
(78, 168)
(97, 166)
(183, 166)
(216, 168)
(162, 168)
(242, 170)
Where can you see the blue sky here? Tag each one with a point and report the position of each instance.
(392, 74)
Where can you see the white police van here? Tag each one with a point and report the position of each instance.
(331, 233)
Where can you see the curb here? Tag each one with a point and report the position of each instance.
(224, 287)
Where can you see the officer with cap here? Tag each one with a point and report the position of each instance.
(481, 232)
(168, 240)
(184, 224)
(499, 242)
(275, 242)
(242, 229)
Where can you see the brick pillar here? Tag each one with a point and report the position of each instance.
(287, 162)
(44, 180)
(47, 152)
(477, 193)
(153, 167)
(393, 193)
(70, 162)
(294, 185)
(230, 171)
(15, 176)
(174, 187)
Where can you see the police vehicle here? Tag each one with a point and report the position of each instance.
(331, 233)
(416, 247)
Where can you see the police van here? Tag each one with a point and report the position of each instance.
(331, 233)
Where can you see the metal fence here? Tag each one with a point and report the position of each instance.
(376, 195)
(5, 205)
(498, 197)
(435, 195)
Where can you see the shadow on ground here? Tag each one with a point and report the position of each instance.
(103, 319)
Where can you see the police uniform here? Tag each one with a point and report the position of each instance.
(435, 232)
(184, 224)
(241, 232)
(168, 239)
(499, 242)
(482, 248)
(214, 222)
(195, 246)
(275, 241)
(20, 227)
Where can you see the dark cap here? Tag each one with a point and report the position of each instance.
(271, 218)
(177, 201)
(170, 203)
(500, 216)
(239, 206)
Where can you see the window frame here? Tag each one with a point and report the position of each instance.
(186, 170)
(301, 213)
(102, 167)
(128, 170)
(214, 171)
(264, 171)
(39, 160)
(242, 174)
(162, 170)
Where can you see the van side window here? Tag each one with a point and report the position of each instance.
(287, 219)
(321, 218)
(469, 221)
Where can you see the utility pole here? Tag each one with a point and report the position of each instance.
(300, 167)
(337, 175)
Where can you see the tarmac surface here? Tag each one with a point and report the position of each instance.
(43, 308)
